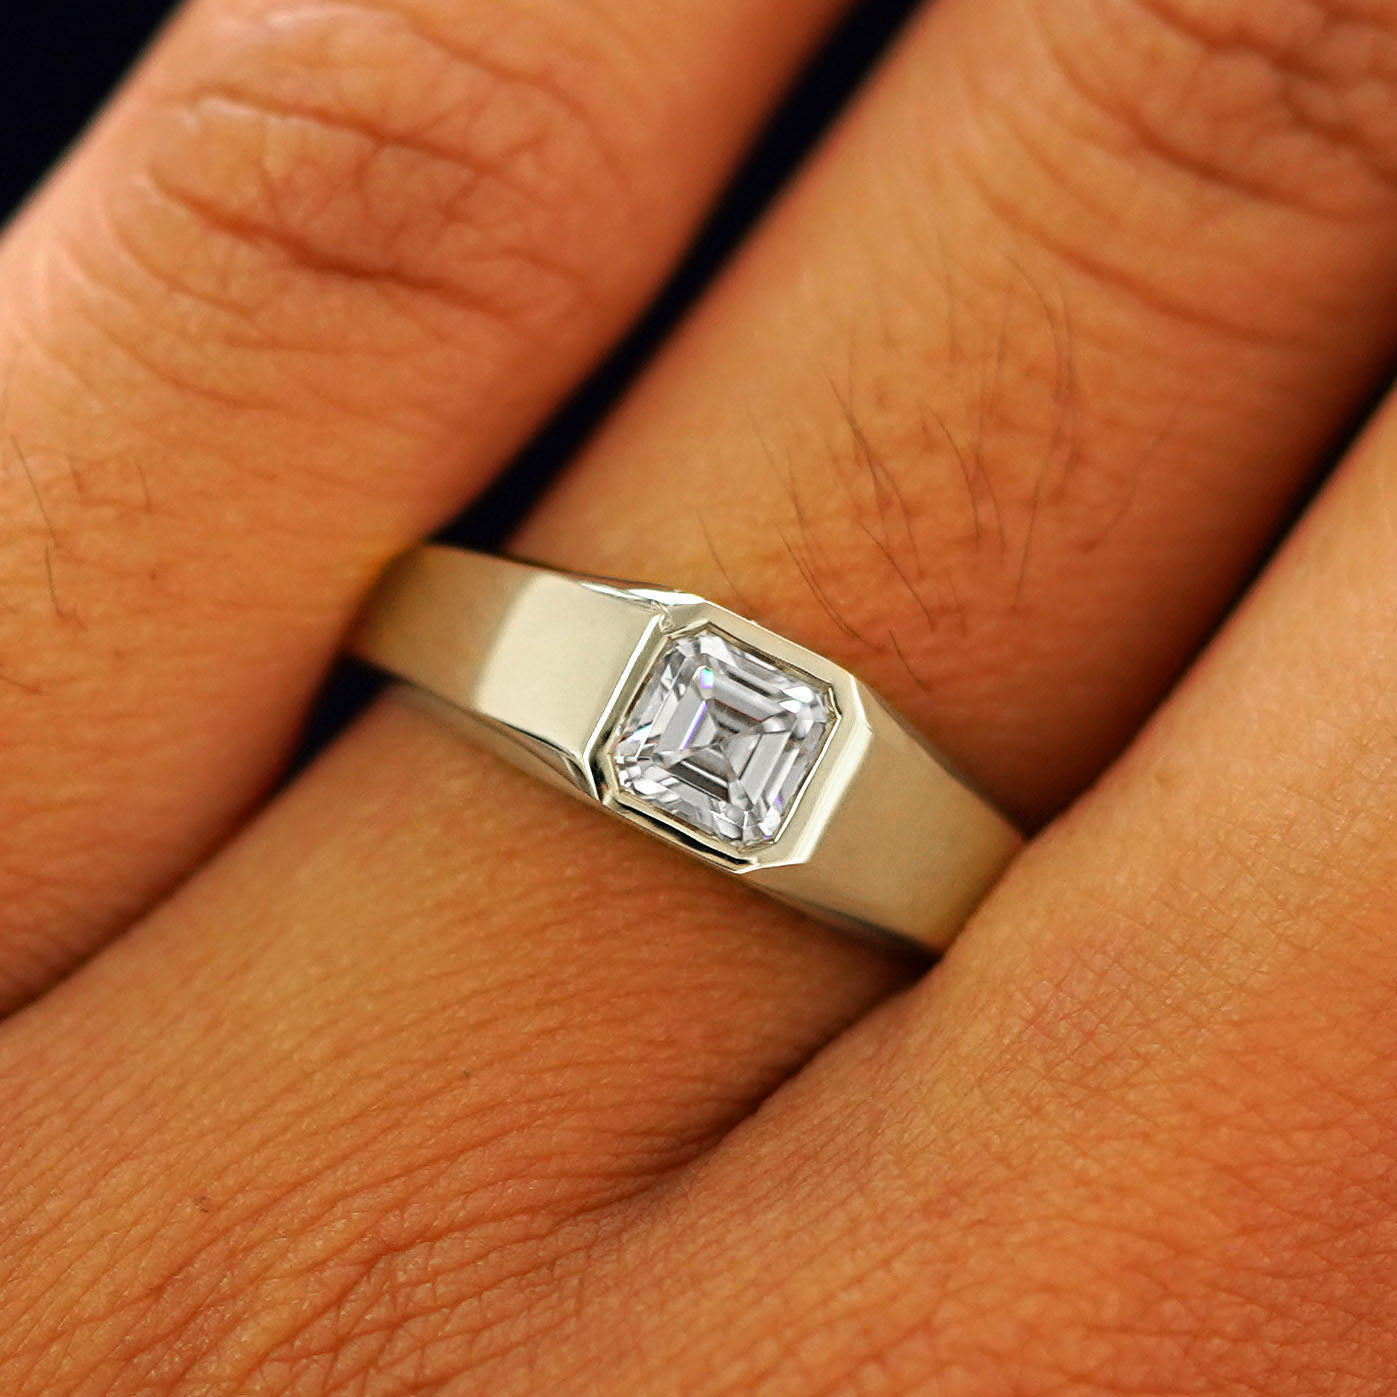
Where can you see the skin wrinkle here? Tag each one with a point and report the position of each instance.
(1097, 261)
(91, 289)
(410, 1352)
(1295, 66)
(386, 277)
(1328, 35)
(372, 1213)
(383, 279)
(548, 66)
(520, 134)
(398, 1325)
(376, 1254)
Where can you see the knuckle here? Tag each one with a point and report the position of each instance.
(1289, 103)
(370, 149)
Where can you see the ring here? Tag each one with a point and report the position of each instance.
(760, 757)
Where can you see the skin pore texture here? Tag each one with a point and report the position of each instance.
(425, 1080)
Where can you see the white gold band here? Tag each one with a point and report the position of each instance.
(756, 755)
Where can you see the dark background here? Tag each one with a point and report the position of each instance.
(59, 58)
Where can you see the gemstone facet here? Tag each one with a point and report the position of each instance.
(722, 739)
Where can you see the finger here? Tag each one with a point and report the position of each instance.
(317, 273)
(1057, 380)
(1138, 1131)
(411, 903)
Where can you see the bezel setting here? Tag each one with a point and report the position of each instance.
(877, 834)
(844, 741)
(722, 738)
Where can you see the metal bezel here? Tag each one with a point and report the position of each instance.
(820, 792)
(541, 667)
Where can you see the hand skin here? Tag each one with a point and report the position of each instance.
(404, 1090)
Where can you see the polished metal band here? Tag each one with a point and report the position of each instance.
(854, 819)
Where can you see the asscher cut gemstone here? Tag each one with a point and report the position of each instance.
(723, 739)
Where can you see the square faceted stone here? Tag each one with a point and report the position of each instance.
(722, 738)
